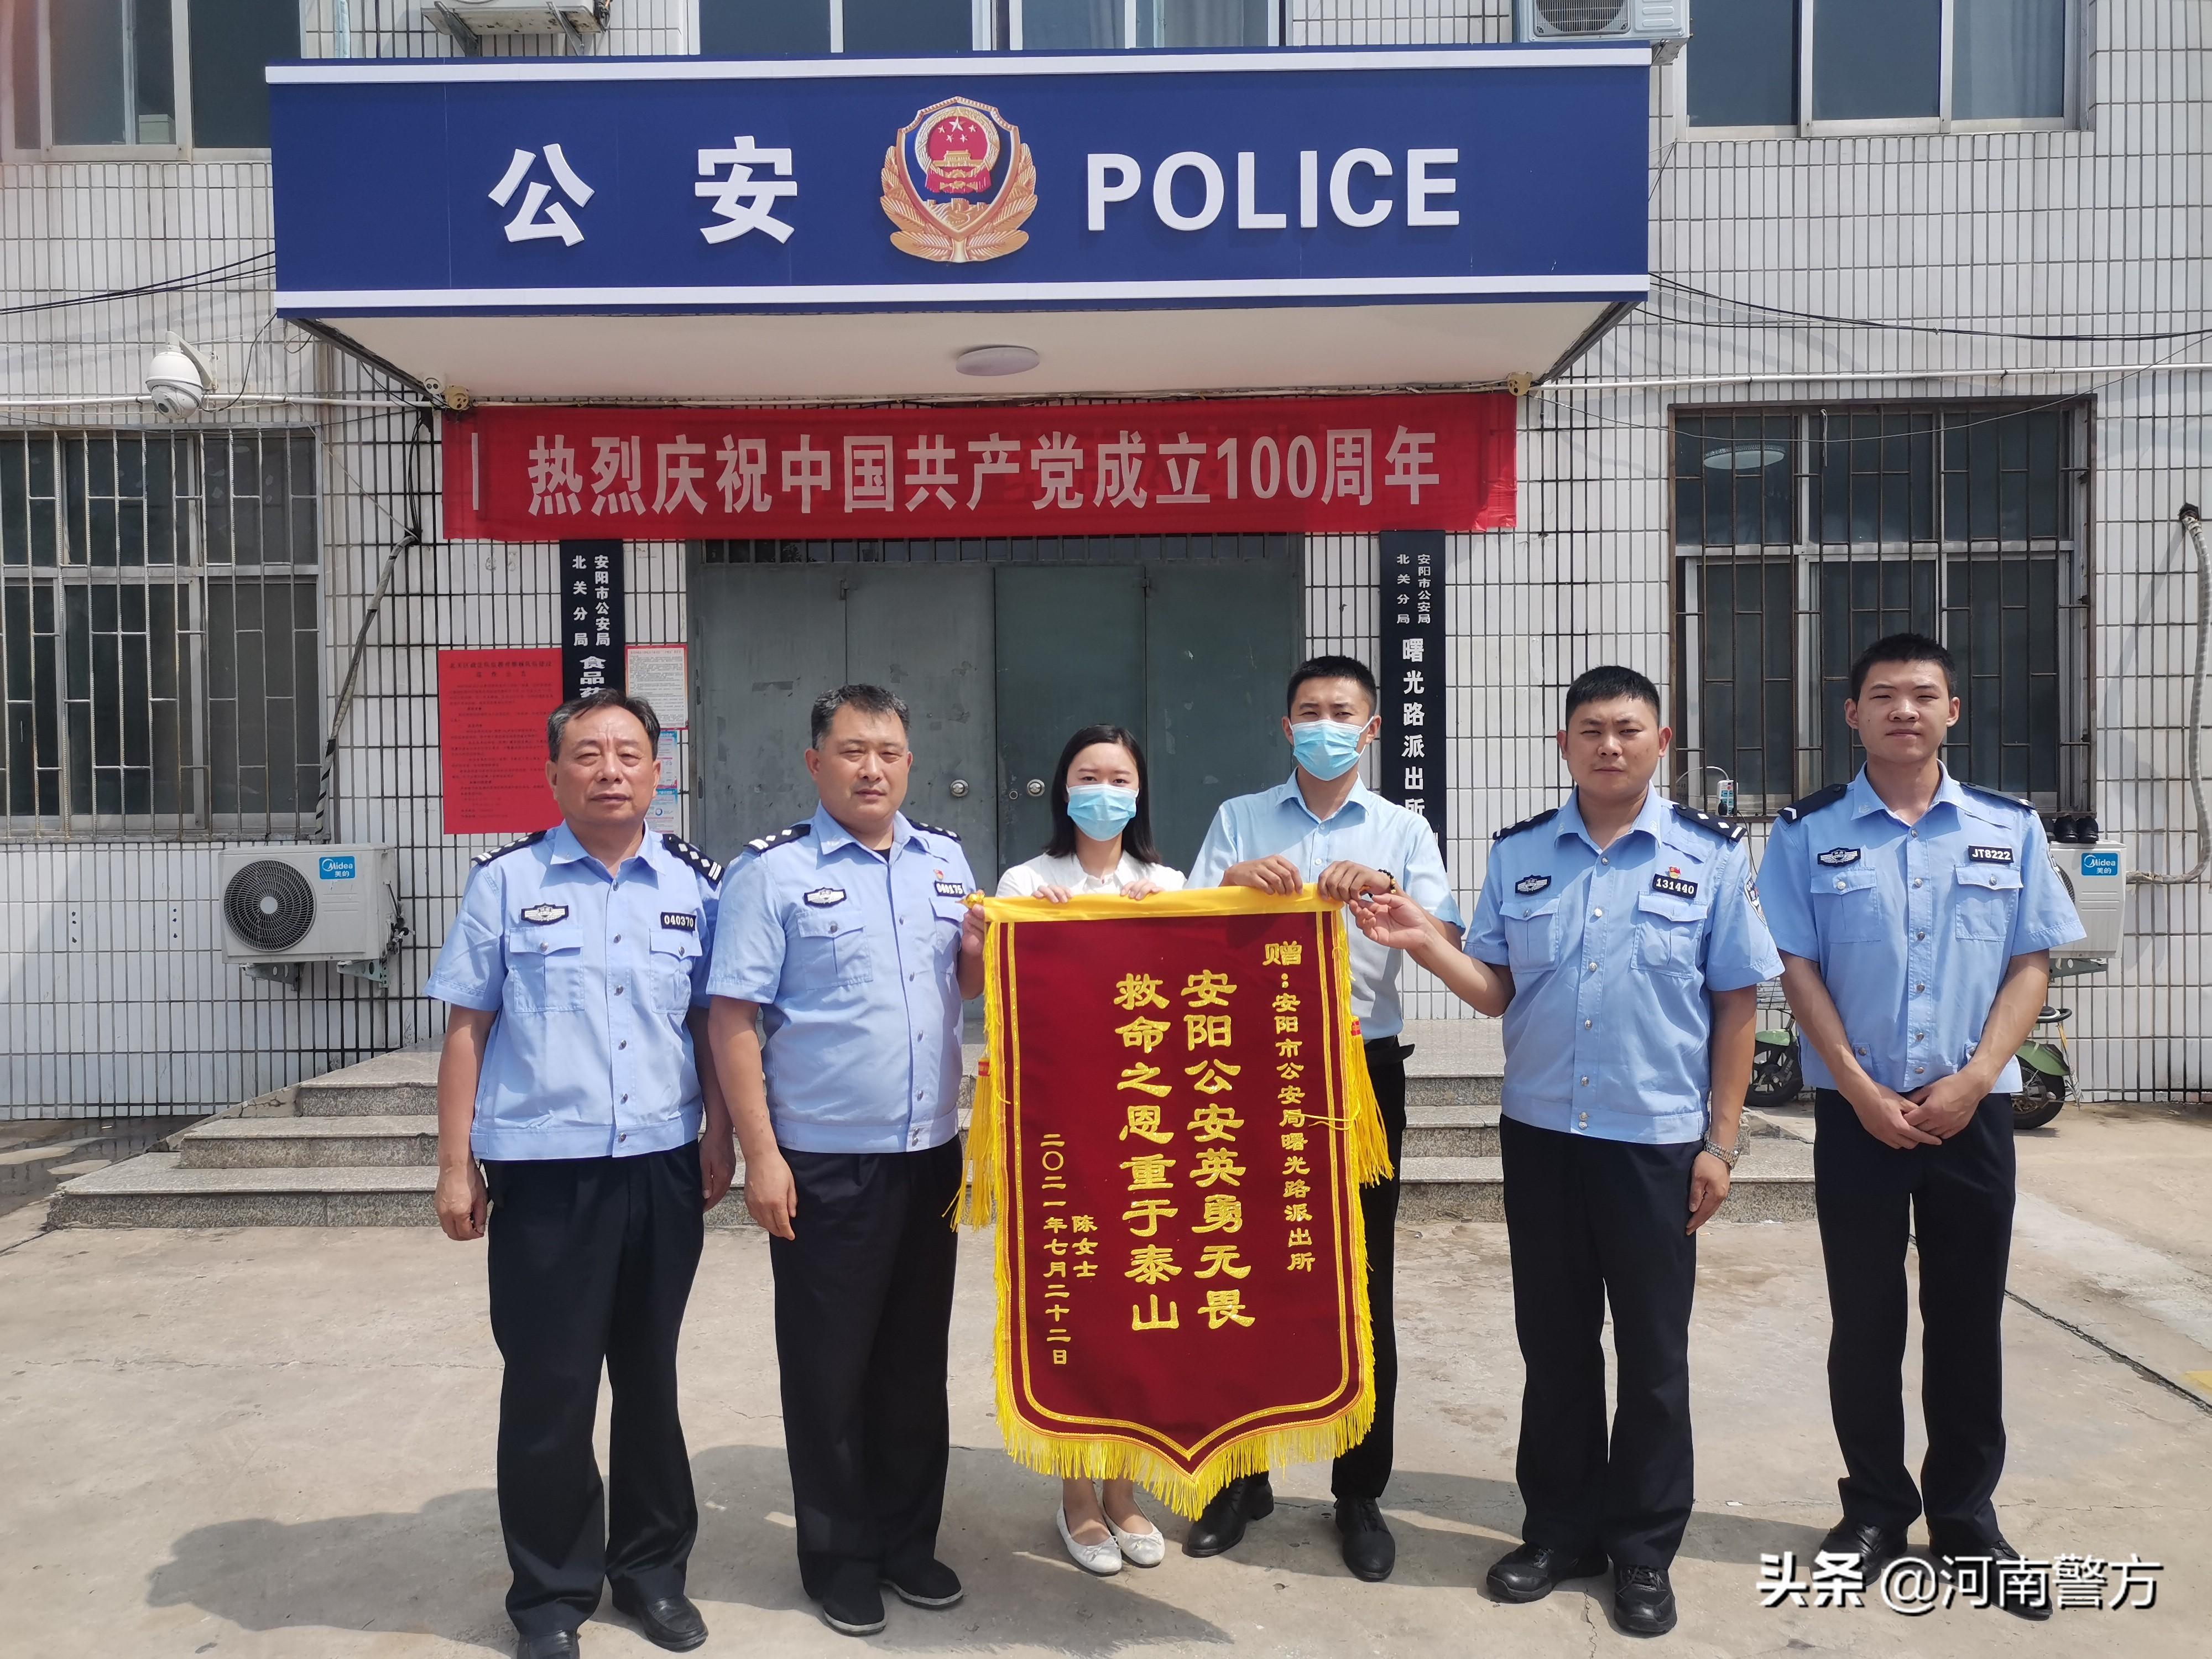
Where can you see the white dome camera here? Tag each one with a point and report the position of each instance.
(179, 379)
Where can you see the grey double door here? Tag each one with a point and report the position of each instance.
(999, 664)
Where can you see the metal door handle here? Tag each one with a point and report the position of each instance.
(959, 789)
(1036, 788)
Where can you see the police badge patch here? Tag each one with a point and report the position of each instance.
(685, 922)
(1835, 856)
(1990, 855)
(1532, 883)
(1675, 885)
(958, 182)
(951, 890)
(542, 914)
(822, 897)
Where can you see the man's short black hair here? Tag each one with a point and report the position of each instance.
(557, 723)
(1331, 668)
(868, 699)
(1606, 683)
(1905, 648)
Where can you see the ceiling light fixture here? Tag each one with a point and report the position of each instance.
(995, 360)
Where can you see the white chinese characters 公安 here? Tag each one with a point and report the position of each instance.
(742, 201)
(527, 225)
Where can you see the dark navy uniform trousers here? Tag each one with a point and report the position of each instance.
(591, 1264)
(1956, 1200)
(1589, 1221)
(863, 1309)
(1363, 1471)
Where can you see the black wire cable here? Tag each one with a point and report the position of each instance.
(1910, 328)
(258, 265)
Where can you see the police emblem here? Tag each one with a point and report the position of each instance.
(957, 182)
(1532, 883)
(1835, 856)
(545, 913)
(822, 897)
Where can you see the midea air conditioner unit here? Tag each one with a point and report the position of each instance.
(1595, 21)
(2096, 878)
(309, 903)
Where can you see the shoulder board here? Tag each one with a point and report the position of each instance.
(949, 835)
(780, 838)
(530, 840)
(2013, 801)
(1545, 817)
(1814, 802)
(692, 856)
(1726, 829)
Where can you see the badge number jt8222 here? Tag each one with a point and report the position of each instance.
(958, 182)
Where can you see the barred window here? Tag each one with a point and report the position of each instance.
(158, 635)
(1803, 535)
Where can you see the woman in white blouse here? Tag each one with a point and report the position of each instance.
(1101, 842)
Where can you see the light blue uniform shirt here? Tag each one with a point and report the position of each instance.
(1367, 830)
(592, 974)
(854, 959)
(1613, 953)
(1913, 926)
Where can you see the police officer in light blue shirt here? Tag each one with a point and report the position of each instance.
(1916, 915)
(570, 1107)
(1325, 828)
(1619, 936)
(845, 949)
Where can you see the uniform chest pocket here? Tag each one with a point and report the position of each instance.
(827, 951)
(1532, 937)
(1847, 905)
(951, 913)
(1984, 898)
(1669, 932)
(675, 955)
(545, 968)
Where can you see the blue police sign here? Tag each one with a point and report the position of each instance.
(1183, 179)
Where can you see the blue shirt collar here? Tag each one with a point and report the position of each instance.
(1650, 819)
(1861, 799)
(563, 848)
(1288, 791)
(830, 835)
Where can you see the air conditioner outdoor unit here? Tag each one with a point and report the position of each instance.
(309, 903)
(1594, 21)
(2096, 877)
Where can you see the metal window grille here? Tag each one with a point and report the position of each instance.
(1005, 549)
(1803, 535)
(158, 635)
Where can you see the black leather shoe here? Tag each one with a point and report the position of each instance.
(1871, 1547)
(1533, 1571)
(1642, 1601)
(1997, 1552)
(924, 1583)
(1369, 1549)
(1221, 1527)
(554, 1644)
(852, 1605)
(668, 1621)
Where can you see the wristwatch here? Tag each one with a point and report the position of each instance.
(1727, 1155)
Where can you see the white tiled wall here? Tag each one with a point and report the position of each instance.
(115, 995)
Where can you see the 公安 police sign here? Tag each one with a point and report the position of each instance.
(589, 186)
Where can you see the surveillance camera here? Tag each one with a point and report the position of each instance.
(179, 379)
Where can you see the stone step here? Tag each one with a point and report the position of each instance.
(160, 1189)
(291, 1143)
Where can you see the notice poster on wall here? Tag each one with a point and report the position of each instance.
(659, 675)
(492, 707)
(1409, 675)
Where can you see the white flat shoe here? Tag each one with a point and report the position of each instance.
(1140, 1549)
(1102, 1558)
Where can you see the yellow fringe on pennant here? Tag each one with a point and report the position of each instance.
(1367, 1158)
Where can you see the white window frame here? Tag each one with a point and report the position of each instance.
(180, 53)
(1942, 121)
(1130, 9)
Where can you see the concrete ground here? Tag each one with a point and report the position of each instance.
(278, 1443)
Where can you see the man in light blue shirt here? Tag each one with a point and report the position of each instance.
(1619, 937)
(576, 976)
(1325, 828)
(844, 950)
(1916, 916)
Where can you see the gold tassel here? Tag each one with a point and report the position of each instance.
(1367, 1144)
(979, 1199)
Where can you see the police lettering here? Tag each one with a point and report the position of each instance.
(1190, 188)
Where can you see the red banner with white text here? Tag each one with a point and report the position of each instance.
(542, 473)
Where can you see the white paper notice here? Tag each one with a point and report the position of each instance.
(660, 674)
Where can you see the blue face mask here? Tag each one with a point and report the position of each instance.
(1100, 809)
(1328, 748)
